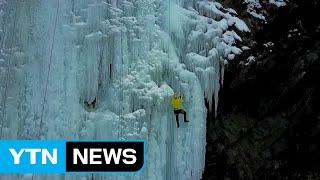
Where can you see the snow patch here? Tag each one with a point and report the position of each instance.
(278, 3)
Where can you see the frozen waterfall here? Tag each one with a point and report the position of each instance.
(126, 57)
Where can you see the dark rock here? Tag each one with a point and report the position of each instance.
(268, 123)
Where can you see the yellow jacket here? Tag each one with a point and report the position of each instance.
(176, 103)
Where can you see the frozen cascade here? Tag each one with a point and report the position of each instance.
(127, 57)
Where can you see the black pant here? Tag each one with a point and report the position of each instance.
(180, 111)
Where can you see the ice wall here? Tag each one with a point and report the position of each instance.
(127, 57)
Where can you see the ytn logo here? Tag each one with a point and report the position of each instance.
(32, 156)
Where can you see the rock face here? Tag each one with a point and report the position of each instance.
(268, 123)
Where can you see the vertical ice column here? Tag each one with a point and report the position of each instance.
(128, 55)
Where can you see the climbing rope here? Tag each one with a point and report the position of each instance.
(8, 72)
(49, 68)
(169, 33)
(168, 46)
(121, 84)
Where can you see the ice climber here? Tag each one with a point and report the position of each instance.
(177, 103)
